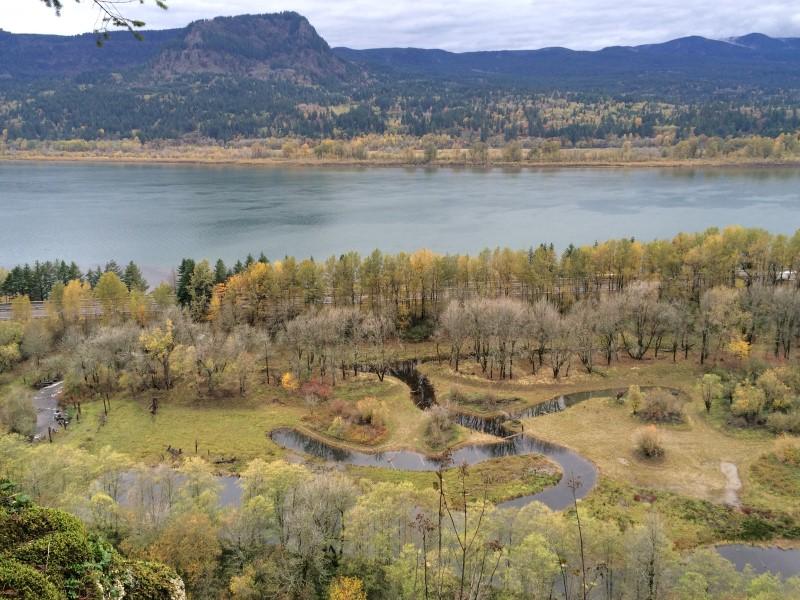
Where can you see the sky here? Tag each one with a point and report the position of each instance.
(456, 25)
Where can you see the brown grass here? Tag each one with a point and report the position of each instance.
(605, 432)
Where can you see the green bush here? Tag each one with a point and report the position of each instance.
(24, 583)
(419, 331)
(31, 523)
(64, 555)
(10, 333)
(151, 581)
(784, 422)
(17, 413)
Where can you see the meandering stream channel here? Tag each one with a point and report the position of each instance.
(574, 467)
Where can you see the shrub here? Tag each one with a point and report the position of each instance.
(755, 367)
(289, 382)
(23, 526)
(347, 588)
(739, 348)
(787, 449)
(419, 331)
(660, 406)
(370, 412)
(439, 427)
(784, 422)
(10, 333)
(456, 396)
(17, 414)
(24, 582)
(311, 400)
(337, 427)
(490, 400)
(151, 581)
(634, 397)
(9, 356)
(65, 552)
(748, 402)
(77, 563)
(319, 390)
(648, 442)
(339, 407)
(778, 394)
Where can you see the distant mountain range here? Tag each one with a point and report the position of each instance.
(272, 75)
(754, 59)
(286, 46)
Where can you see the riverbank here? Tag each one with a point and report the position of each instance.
(233, 159)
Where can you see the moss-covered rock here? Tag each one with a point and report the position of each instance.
(19, 527)
(152, 581)
(60, 556)
(22, 582)
(47, 554)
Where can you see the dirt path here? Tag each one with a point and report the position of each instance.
(732, 483)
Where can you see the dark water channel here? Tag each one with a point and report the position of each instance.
(557, 497)
(762, 559)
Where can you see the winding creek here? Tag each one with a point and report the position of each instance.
(574, 467)
(45, 402)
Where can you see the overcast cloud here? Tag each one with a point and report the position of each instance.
(455, 25)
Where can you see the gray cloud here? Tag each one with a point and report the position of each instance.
(459, 25)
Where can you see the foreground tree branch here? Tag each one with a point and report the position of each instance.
(111, 16)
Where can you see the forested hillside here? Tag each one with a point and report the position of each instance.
(258, 76)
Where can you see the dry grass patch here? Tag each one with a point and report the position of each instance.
(604, 432)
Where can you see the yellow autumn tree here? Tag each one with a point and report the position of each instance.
(191, 545)
(138, 307)
(112, 294)
(21, 310)
(347, 588)
(159, 344)
(76, 300)
(740, 348)
(289, 382)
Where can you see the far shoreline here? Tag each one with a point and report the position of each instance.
(303, 163)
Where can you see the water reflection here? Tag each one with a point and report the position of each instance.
(762, 559)
(158, 214)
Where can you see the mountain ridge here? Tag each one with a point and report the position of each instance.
(277, 45)
(286, 45)
(691, 57)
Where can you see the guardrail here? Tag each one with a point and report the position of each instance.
(39, 310)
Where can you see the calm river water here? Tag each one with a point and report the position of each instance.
(156, 215)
